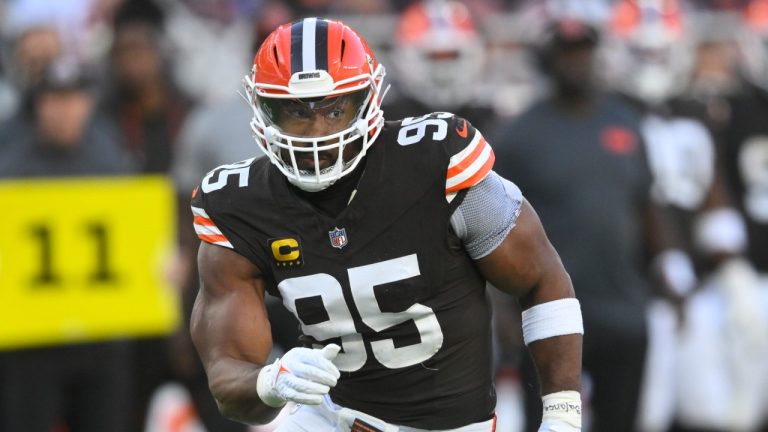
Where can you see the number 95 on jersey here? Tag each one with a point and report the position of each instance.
(84, 259)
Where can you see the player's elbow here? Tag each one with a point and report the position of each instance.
(554, 284)
(239, 404)
(228, 411)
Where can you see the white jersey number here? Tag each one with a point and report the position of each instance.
(339, 323)
(682, 157)
(413, 129)
(240, 169)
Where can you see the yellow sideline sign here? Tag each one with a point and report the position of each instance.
(84, 259)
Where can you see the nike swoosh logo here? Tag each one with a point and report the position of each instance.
(463, 131)
(281, 370)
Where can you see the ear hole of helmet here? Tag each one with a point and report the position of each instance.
(274, 53)
(343, 45)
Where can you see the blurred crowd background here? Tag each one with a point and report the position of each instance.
(598, 109)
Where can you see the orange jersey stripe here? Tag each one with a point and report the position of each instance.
(467, 161)
(477, 177)
(213, 238)
(204, 221)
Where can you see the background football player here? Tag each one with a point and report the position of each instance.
(655, 41)
(440, 61)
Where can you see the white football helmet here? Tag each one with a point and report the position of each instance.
(439, 54)
(653, 57)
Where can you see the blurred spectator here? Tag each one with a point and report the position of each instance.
(211, 42)
(84, 387)
(31, 52)
(578, 155)
(717, 5)
(64, 135)
(213, 135)
(219, 132)
(144, 100)
(68, 18)
(361, 7)
(272, 14)
(8, 96)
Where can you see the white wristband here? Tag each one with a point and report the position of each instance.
(562, 408)
(554, 318)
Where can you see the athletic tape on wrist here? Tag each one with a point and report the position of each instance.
(562, 407)
(554, 318)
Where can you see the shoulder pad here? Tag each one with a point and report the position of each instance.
(220, 178)
(471, 157)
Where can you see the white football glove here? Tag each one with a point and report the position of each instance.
(302, 375)
(562, 412)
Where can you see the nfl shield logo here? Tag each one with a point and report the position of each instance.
(338, 237)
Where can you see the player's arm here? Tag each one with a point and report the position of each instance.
(526, 265)
(504, 236)
(231, 332)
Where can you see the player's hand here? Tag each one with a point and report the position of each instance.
(302, 375)
(562, 412)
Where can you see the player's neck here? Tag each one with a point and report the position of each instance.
(577, 102)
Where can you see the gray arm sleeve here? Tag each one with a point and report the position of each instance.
(487, 214)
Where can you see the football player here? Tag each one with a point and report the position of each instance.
(380, 237)
(440, 59)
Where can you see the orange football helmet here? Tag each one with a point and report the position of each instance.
(308, 67)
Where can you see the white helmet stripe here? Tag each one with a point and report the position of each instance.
(308, 44)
